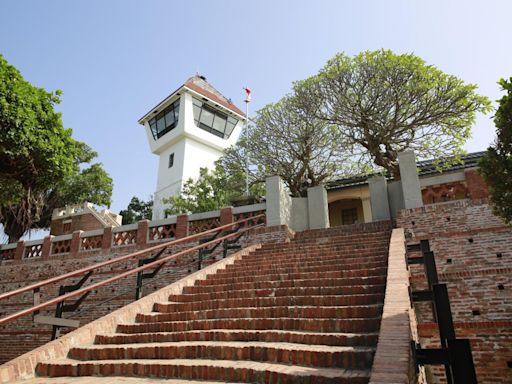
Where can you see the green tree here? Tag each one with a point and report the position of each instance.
(40, 163)
(137, 209)
(383, 103)
(212, 190)
(288, 141)
(496, 165)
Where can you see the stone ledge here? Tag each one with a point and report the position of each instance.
(392, 362)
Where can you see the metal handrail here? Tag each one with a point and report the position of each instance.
(82, 271)
(91, 287)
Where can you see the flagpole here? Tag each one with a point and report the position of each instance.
(247, 101)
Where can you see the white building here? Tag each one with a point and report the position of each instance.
(189, 130)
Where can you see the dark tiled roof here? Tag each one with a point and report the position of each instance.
(426, 167)
(470, 160)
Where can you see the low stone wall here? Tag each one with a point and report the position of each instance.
(473, 253)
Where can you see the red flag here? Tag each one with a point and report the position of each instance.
(247, 94)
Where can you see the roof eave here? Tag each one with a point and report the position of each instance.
(148, 115)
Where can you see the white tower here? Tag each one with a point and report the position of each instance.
(189, 130)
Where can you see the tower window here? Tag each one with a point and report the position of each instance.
(212, 120)
(165, 121)
(171, 160)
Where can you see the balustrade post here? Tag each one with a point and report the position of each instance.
(106, 241)
(226, 216)
(20, 250)
(47, 246)
(75, 243)
(142, 233)
(181, 226)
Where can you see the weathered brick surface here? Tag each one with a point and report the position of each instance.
(24, 335)
(393, 362)
(291, 320)
(473, 256)
(476, 187)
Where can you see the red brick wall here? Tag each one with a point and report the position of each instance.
(473, 252)
(85, 222)
(24, 335)
(477, 189)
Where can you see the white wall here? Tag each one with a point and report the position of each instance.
(193, 148)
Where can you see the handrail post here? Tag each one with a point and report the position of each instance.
(138, 287)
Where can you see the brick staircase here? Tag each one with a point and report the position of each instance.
(307, 311)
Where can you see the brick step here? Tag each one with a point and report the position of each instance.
(334, 262)
(268, 335)
(223, 370)
(310, 253)
(305, 237)
(271, 302)
(342, 281)
(369, 285)
(254, 260)
(270, 352)
(313, 312)
(221, 280)
(355, 325)
(341, 232)
(115, 380)
(330, 244)
(241, 270)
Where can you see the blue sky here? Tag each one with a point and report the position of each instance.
(115, 59)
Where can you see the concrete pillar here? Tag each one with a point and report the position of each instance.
(181, 226)
(379, 198)
(410, 181)
(47, 246)
(20, 250)
(142, 233)
(75, 243)
(106, 241)
(395, 197)
(278, 202)
(318, 207)
(367, 209)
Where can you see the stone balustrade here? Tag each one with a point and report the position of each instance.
(139, 235)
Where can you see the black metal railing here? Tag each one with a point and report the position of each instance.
(454, 354)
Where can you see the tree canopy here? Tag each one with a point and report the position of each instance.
(212, 190)
(40, 162)
(354, 116)
(382, 103)
(137, 209)
(286, 140)
(496, 165)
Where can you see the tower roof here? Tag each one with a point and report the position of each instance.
(199, 85)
